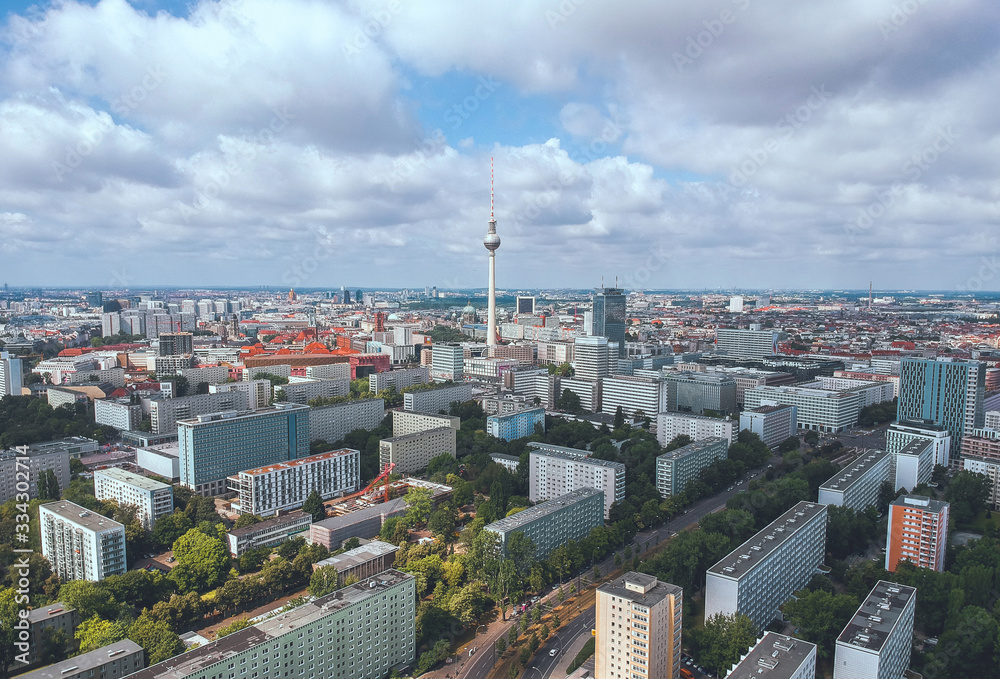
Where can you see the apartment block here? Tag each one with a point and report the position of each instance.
(362, 562)
(746, 343)
(588, 390)
(398, 379)
(948, 392)
(508, 462)
(438, 399)
(332, 423)
(407, 422)
(165, 413)
(215, 446)
(694, 392)
(638, 628)
(13, 462)
(503, 405)
(80, 544)
(633, 394)
(877, 642)
(117, 660)
(990, 467)
(857, 485)
(816, 409)
(174, 343)
(534, 384)
(872, 393)
(258, 392)
(411, 452)
(554, 471)
(152, 498)
(900, 434)
(11, 370)
(675, 469)
(914, 464)
(44, 621)
(554, 522)
(671, 425)
(748, 378)
(447, 362)
(210, 374)
(761, 574)
(359, 632)
(330, 371)
(871, 377)
(268, 533)
(304, 389)
(118, 413)
(279, 487)
(776, 656)
(518, 425)
(772, 423)
(918, 532)
(488, 369)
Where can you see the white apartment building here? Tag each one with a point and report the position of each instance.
(277, 369)
(914, 464)
(671, 425)
(991, 468)
(270, 532)
(447, 362)
(152, 498)
(857, 485)
(638, 628)
(411, 452)
(304, 389)
(330, 371)
(12, 468)
(400, 379)
(772, 423)
(555, 470)
(591, 358)
(407, 422)
(776, 656)
(169, 365)
(210, 374)
(331, 423)
(10, 374)
(746, 343)
(900, 434)
(816, 409)
(284, 486)
(80, 544)
(437, 399)
(164, 413)
(633, 394)
(589, 392)
(877, 642)
(758, 576)
(118, 413)
(488, 369)
(258, 391)
(675, 469)
(872, 393)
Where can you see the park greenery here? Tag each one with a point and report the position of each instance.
(25, 420)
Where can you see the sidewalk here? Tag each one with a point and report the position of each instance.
(566, 657)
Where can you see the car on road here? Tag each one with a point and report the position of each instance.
(554, 652)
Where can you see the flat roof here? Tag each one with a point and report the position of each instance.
(775, 656)
(36, 615)
(640, 588)
(802, 391)
(81, 516)
(346, 520)
(515, 521)
(752, 552)
(771, 409)
(418, 434)
(574, 455)
(292, 464)
(227, 415)
(915, 447)
(87, 661)
(516, 413)
(137, 480)
(692, 448)
(878, 615)
(172, 449)
(359, 555)
(850, 475)
(289, 518)
(921, 502)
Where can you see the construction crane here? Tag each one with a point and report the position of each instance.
(383, 476)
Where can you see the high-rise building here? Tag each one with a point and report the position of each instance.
(736, 304)
(525, 305)
(609, 316)
(816, 409)
(447, 362)
(638, 628)
(746, 343)
(918, 532)
(258, 392)
(634, 394)
(437, 399)
(412, 452)
(10, 374)
(80, 544)
(516, 425)
(900, 434)
(400, 379)
(692, 392)
(776, 656)
(948, 392)
(773, 423)
(554, 522)
(175, 343)
(285, 486)
(214, 446)
(590, 357)
(696, 427)
(95, 299)
(360, 631)
(120, 414)
(914, 464)
(675, 469)
(758, 576)
(331, 423)
(554, 471)
(23, 459)
(857, 485)
(877, 642)
(166, 413)
(152, 499)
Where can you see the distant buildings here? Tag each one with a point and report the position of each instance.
(777, 656)
(633, 394)
(609, 317)
(692, 392)
(554, 471)
(877, 642)
(447, 362)
(268, 533)
(437, 399)
(918, 532)
(857, 485)
(398, 379)
(282, 486)
(11, 370)
(746, 343)
(331, 423)
(772, 423)
(816, 409)
(164, 413)
(516, 425)
(258, 392)
(675, 469)
(591, 358)
(80, 544)
(554, 522)
(948, 392)
(638, 628)
(697, 427)
(152, 499)
(759, 575)
(175, 343)
(304, 389)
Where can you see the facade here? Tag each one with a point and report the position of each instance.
(12, 468)
(11, 371)
(330, 371)
(408, 422)
(217, 445)
(447, 362)
(918, 532)
(691, 392)
(591, 357)
(65, 396)
(877, 642)
(174, 343)
(164, 413)
(258, 391)
(120, 414)
(398, 379)
(516, 425)
(773, 423)
(268, 533)
(332, 423)
(609, 317)
(589, 392)
(79, 544)
(534, 384)
(170, 365)
(267, 491)
(554, 471)
(945, 391)
(488, 369)
(871, 377)
(163, 460)
(633, 394)
(671, 425)
(436, 400)
(117, 660)
(211, 374)
(914, 464)
(777, 656)
(363, 523)
(857, 485)
(554, 522)
(816, 409)
(508, 462)
(747, 378)
(638, 628)
(359, 632)
(758, 576)
(872, 393)
(304, 389)
(746, 343)
(152, 498)
(674, 470)
(502, 405)
(900, 434)
(361, 562)
(57, 617)
(412, 452)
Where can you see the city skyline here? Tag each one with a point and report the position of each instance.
(701, 145)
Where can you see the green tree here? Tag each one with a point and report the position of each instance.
(723, 640)
(820, 616)
(442, 523)
(811, 437)
(96, 632)
(788, 445)
(158, 639)
(619, 420)
(202, 562)
(323, 581)
(234, 626)
(168, 528)
(247, 520)
(418, 506)
(966, 647)
(9, 608)
(569, 402)
(512, 636)
(967, 492)
(314, 506)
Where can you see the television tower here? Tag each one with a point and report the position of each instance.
(492, 242)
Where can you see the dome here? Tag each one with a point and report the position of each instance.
(469, 309)
(394, 317)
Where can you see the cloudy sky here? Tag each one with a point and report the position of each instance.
(687, 144)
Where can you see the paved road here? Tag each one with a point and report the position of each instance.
(543, 663)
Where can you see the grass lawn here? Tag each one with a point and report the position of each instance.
(978, 524)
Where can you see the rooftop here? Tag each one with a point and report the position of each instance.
(920, 502)
(36, 615)
(640, 588)
(268, 524)
(345, 520)
(417, 434)
(804, 391)
(81, 516)
(775, 656)
(877, 617)
(771, 409)
(292, 464)
(136, 480)
(752, 552)
(916, 447)
(515, 521)
(693, 448)
(574, 455)
(359, 555)
(172, 449)
(93, 660)
(516, 414)
(208, 418)
(849, 476)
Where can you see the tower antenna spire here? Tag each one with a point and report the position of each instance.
(491, 187)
